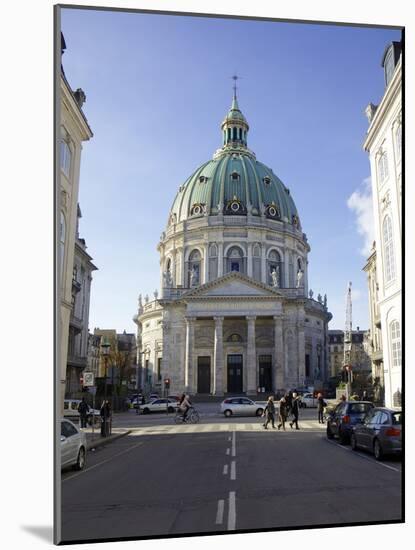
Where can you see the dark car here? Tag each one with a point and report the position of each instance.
(379, 433)
(344, 417)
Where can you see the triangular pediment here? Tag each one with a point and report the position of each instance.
(233, 284)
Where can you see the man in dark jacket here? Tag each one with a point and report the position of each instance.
(320, 408)
(83, 410)
(269, 411)
(105, 413)
(295, 407)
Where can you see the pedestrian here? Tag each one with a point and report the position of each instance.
(269, 411)
(343, 398)
(295, 407)
(83, 410)
(364, 396)
(184, 405)
(320, 407)
(289, 401)
(282, 415)
(105, 413)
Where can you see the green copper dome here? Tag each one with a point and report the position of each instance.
(234, 183)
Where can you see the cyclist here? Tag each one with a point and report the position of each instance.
(184, 405)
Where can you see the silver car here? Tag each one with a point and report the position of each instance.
(242, 406)
(73, 446)
(380, 432)
(160, 405)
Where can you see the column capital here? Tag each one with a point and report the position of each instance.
(218, 320)
(278, 317)
(189, 319)
(251, 318)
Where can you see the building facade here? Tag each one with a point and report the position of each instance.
(235, 313)
(79, 317)
(359, 358)
(383, 143)
(74, 130)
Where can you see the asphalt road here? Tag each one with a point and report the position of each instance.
(219, 476)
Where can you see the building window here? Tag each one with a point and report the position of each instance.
(275, 264)
(235, 175)
(62, 237)
(383, 170)
(388, 250)
(66, 156)
(235, 259)
(159, 369)
(194, 268)
(395, 336)
(398, 138)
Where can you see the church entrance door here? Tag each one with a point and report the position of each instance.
(203, 375)
(235, 373)
(265, 372)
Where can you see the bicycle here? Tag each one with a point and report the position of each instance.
(192, 417)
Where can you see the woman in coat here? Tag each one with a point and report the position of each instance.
(282, 415)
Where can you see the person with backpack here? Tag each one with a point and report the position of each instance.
(83, 410)
(320, 407)
(269, 411)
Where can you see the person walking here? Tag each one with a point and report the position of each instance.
(105, 413)
(83, 410)
(269, 411)
(320, 407)
(295, 408)
(289, 401)
(282, 415)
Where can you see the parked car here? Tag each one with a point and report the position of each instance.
(153, 396)
(380, 432)
(347, 414)
(70, 410)
(73, 445)
(241, 406)
(160, 405)
(308, 400)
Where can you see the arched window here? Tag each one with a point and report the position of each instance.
(398, 137)
(62, 238)
(194, 268)
(235, 259)
(274, 264)
(395, 338)
(299, 265)
(213, 251)
(388, 250)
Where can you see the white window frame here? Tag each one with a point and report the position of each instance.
(395, 341)
(382, 166)
(388, 250)
(66, 158)
(398, 141)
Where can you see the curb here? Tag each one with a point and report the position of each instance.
(104, 441)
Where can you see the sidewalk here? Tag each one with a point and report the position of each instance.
(95, 439)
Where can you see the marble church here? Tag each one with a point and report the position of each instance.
(234, 314)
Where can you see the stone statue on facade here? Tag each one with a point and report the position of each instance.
(193, 276)
(300, 276)
(319, 298)
(146, 298)
(311, 294)
(325, 301)
(156, 294)
(168, 281)
(220, 208)
(140, 303)
(275, 277)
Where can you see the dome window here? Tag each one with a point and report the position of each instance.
(202, 179)
(197, 210)
(271, 211)
(235, 206)
(235, 176)
(266, 180)
(295, 220)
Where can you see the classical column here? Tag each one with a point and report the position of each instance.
(286, 282)
(249, 270)
(301, 350)
(251, 357)
(220, 259)
(206, 264)
(174, 267)
(278, 378)
(217, 388)
(188, 362)
(264, 273)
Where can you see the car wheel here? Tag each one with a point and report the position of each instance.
(329, 433)
(228, 413)
(259, 412)
(353, 442)
(81, 460)
(343, 438)
(170, 410)
(146, 410)
(377, 450)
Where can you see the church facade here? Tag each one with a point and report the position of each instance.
(235, 314)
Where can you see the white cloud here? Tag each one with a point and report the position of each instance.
(360, 202)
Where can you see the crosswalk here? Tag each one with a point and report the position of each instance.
(306, 425)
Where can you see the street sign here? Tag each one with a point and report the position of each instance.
(88, 379)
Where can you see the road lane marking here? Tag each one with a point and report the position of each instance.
(233, 470)
(370, 459)
(219, 513)
(231, 512)
(228, 451)
(225, 470)
(103, 462)
(233, 444)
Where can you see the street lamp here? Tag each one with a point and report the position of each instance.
(105, 350)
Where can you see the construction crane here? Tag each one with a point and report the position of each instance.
(347, 341)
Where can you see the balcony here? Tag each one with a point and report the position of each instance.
(377, 356)
(76, 323)
(76, 361)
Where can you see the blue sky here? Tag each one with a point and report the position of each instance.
(157, 90)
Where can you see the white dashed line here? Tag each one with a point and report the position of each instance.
(232, 512)
(233, 470)
(233, 444)
(219, 513)
(228, 451)
(225, 470)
